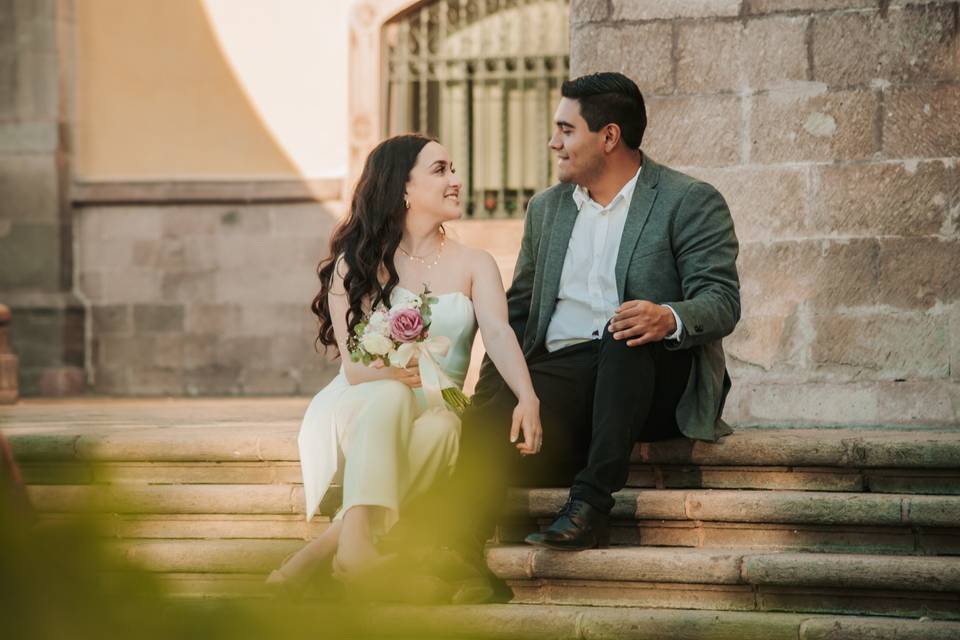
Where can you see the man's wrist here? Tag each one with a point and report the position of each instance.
(678, 324)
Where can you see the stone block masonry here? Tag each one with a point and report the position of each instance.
(204, 299)
(36, 251)
(832, 128)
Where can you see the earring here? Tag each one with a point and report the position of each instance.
(406, 202)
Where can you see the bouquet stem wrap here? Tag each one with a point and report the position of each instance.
(438, 389)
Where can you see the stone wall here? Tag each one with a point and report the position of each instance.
(36, 262)
(832, 127)
(203, 299)
(213, 299)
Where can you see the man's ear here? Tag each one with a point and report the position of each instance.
(611, 136)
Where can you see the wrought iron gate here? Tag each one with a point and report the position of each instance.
(483, 76)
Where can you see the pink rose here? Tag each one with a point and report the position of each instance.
(406, 325)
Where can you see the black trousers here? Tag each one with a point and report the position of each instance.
(596, 400)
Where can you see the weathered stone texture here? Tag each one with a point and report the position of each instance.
(736, 56)
(882, 346)
(755, 7)
(641, 52)
(149, 318)
(29, 189)
(112, 319)
(763, 341)
(582, 11)
(884, 199)
(765, 202)
(916, 43)
(694, 130)
(25, 257)
(920, 401)
(851, 628)
(204, 299)
(918, 273)
(825, 274)
(922, 121)
(758, 401)
(802, 122)
(955, 342)
(670, 9)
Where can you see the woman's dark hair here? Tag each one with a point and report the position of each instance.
(610, 98)
(370, 234)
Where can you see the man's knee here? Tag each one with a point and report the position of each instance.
(611, 347)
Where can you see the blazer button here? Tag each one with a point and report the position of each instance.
(698, 328)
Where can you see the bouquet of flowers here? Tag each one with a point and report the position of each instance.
(399, 333)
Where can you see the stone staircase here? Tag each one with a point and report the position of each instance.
(794, 533)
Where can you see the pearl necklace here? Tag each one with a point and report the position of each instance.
(423, 259)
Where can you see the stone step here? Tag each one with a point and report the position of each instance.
(718, 505)
(729, 580)
(236, 439)
(556, 622)
(722, 505)
(774, 520)
(231, 450)
(733, 580)
(885, 480)
(197, 526)
(647, 533)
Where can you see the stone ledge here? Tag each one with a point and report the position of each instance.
(719, 505)
(232, 436)
(699, 566)
(795, 507)
(124, 192)
(522, 622)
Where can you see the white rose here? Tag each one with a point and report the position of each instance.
(376, 344)
(404, 299)
(378, 323)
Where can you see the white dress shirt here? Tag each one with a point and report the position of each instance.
(588, 296)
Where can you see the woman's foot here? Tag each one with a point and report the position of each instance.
(391, 578)
(280, 582)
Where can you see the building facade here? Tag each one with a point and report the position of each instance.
(159, 229)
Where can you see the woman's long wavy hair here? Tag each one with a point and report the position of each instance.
(370, 234)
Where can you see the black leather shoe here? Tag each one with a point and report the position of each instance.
(578, 526)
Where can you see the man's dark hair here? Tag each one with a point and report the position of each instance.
(610, 98)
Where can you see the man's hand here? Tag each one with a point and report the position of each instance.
(640, 321)
(526, 418)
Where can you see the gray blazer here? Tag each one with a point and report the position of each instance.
(678, 248)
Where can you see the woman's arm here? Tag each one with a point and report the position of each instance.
(500, 341)
(357, 372)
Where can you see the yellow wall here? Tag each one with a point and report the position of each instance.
(160, 97)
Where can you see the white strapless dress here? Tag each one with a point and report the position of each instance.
(381, 439)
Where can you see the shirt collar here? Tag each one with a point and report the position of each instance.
(581, 196)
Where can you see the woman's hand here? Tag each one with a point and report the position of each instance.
(526, 418)
(410, 375)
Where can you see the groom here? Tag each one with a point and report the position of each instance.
(625, 284)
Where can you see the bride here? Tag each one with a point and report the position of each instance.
(373, 426)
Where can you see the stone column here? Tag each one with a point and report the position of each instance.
(832, 127)
(8, 361)
(36, 231)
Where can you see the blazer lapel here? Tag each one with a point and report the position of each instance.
(560, 232)
(640, 206)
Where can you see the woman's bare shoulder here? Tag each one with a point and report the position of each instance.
(477, 261)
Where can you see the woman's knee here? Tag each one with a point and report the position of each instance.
(438, 427)
(392, 393)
